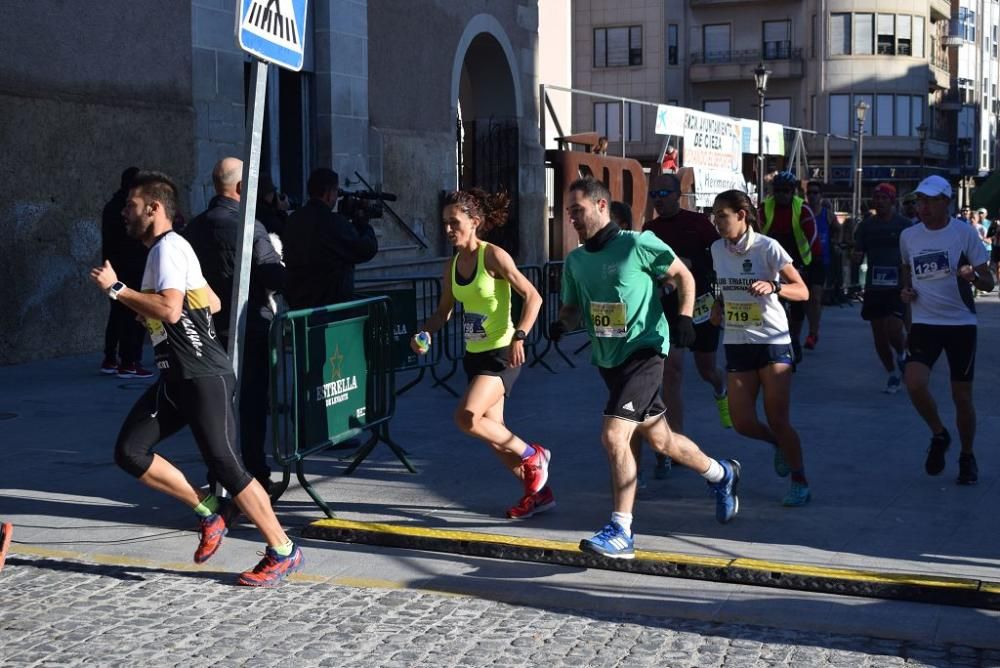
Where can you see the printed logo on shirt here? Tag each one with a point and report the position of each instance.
(747, 266)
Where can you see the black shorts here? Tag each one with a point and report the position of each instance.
(494, 362)
(741, 357)
(958, 342)
(634, 387)
(882, 304)
(706, 336)
(814, 273)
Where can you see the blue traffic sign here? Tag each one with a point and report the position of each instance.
(273, 30)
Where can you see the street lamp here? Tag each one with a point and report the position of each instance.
(964, 150)
(922, 133)
(760, 75)
(861, 110)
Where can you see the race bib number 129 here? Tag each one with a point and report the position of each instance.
(931, 265)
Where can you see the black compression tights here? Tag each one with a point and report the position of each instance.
(168, 406)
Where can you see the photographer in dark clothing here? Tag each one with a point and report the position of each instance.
(123, 335)
(322, 247)
(214, 234)
(272, 206)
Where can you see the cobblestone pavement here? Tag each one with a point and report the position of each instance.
(69, 613)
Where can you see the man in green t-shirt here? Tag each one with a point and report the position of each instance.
(611, 281)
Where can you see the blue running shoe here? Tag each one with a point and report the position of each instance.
(798, 495)
(611, 542)
(727, 504)
(781, 466)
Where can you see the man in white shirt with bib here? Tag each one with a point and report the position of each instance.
(943, 260)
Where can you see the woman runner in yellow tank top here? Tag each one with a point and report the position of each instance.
(481, 277)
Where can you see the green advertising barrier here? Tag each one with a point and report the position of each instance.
(332, 379)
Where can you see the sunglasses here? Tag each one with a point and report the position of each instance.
(661, 193)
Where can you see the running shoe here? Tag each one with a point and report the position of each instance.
(663, 466)
(211, 531)
(272, 569)
(532, 504)
(536, 470)
(935, 454)
(811, 341)
(722, 405)
(781, 466)
(968, 470)
(727, 503)
(133, 371)
(109, 366)
(893, 384)
(611, 542)
(798, 495)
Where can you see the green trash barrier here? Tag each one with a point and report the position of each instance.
(332, 379)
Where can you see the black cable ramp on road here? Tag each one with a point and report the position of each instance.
(964, 592)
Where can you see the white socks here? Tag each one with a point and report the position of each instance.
(624, 520)
(715, 472)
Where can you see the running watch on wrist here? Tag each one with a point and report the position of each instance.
(775, 287)
(519, 335)
(115, 289)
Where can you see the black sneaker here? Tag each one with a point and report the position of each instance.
(968, 471)
(935, 454)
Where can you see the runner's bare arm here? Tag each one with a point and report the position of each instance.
(214, 303)
(499, 262)
(906, 292)
(165, 305)
(980, 276)
(679, 275)
(793, 288)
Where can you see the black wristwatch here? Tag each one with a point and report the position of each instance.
(519, 335)
(776, 287)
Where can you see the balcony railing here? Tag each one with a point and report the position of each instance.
(938, 58)
(774, 51)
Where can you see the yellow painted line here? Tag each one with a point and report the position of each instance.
(879, 577)
(501, 539)
(825, 572)
(367, 583)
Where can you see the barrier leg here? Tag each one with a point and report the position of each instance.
(420, 377)
(300, 474)
(440, 382)
(563, 355)
(279, 489)
(396, 449)
(581, 348)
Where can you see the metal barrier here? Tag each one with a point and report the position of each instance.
(332, 378)
(551, 303)
(413, 299)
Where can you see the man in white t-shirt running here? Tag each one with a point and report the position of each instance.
(943, 259)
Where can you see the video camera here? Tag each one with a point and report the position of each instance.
(363, 205)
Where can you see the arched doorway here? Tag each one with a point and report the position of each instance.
(486, 124)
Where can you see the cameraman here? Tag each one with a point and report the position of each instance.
(322, 247)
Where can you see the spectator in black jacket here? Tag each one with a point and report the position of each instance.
(123, 335)
(214, 235)
(322, 247)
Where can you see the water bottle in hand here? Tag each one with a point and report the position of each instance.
(423, 340)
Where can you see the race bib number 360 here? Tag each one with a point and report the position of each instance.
(608, 319)
(157, 332)
(743, 315)
(931, 265)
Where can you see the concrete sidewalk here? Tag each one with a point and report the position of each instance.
(873, 506)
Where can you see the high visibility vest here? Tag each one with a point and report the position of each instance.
(805, 249)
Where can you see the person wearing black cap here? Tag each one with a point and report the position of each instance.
(943, 259)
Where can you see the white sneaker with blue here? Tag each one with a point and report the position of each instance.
(611, 542)
(893, 384)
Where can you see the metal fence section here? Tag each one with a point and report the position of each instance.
(332, 379)
(413, 299)
(551, 303)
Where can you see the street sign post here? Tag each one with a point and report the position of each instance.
(273, 31)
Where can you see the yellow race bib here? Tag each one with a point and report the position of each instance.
(703, 308)
(743, 315)
(608, 319)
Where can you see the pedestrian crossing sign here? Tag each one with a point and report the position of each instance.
(273, 30)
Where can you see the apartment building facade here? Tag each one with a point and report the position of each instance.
(925, 69)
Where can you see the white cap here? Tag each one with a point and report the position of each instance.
(981, 210)
(934, 186)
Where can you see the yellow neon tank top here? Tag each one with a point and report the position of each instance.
(486, 301)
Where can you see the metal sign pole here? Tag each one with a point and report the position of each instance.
(248, 213)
